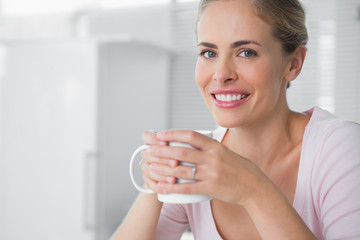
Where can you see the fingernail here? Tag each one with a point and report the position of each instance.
(173, 163)
(162, 187)
(153, 166)
(150, 150)
(170, 179)
(162, 143)
(160, 134)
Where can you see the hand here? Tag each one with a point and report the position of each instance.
(220, 172)
(151, 178)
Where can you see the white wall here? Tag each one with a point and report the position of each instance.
(48, 125)
(151, 24)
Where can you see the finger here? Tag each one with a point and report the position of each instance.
(154, 176)
(177, 153)
(158, 188)
(195, 139)
(151, 178)
(150, 138)
(158, 175)
(148, 158)
(185, 188)
(153, 185)
(183, 172)
(152, 182)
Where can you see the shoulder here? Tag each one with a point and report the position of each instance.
(330, 141)
(331, 154)
(328, 130)
(331, 151)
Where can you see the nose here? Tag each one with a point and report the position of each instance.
(224, 71)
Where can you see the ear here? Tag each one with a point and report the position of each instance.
(295, 64)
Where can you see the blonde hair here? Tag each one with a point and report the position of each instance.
(286, 17)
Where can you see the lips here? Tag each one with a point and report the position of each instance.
(229, 98)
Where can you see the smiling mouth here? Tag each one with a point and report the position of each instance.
(230, 97)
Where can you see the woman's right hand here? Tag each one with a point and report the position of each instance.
(149, 163)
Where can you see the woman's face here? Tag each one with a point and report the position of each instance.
(241, 68)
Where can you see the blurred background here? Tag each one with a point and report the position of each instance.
(80, 80)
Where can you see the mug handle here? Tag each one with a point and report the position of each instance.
(132, 161)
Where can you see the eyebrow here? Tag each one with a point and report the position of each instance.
(233, 45)
(206, 44)
(244, 42)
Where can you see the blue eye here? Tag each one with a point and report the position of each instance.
(247, 53)
(208, 54)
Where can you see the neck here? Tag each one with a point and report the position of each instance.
(265, 142)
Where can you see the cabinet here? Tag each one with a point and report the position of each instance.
(133, 97)
(71, 114)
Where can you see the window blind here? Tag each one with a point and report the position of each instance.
(347, 84)
(330, 77)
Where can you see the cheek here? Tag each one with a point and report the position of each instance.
(261, 75)
(202, 75)
(267, 83)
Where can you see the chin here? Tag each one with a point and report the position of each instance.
(229, 118)
(228, 122)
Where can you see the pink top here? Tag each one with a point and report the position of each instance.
(327, 194)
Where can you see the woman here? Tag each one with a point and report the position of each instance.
(273, 173)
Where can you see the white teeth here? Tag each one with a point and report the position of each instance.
(230, 97)
(244, 96)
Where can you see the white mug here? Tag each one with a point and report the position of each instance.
(171, 197)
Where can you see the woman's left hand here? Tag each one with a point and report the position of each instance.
(220, 173)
